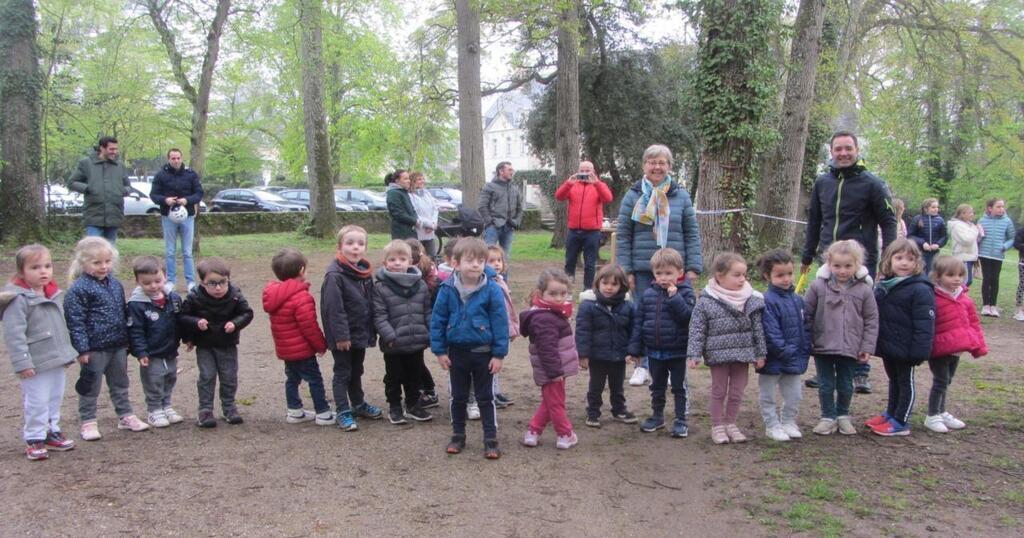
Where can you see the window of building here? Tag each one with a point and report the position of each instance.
(508, 146)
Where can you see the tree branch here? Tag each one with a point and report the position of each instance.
(167, 38)
(514, 84)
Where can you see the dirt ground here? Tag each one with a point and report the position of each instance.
(267, 477)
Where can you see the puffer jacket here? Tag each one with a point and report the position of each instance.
(501, 203)
(928, 229)
(346, 305)
(635, 244)
(906, 318)
(178, 183)
(217, 312)
(965, 239)
(844, 320)
(510, 307)
(787, 336)
(95, 316)
(34, 328)
(153, 330)
(401, 311)
(293, 322)
(402, 212)
(552, 346)
(957, 327)
(720, 334)
(476, 322)
(998, 236)
(586, 203)
(104, 184)
(661, 323)
(849, 203)
(603, 327)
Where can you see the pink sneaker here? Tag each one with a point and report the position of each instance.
(567, 442)
(90, 431)
(531, 438)
(132, 422)
(36, 450)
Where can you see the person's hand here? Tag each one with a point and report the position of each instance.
(229, 327)
(584, 364)
(27, 373)
(495, 365)
(143, 361)
(759, 364)
(863, 357)
(571, 179)
(169, 200)
(343, 345)
(83, 358)
(671, 290)
(804, 268)
(203, 324)
(189, 346)
(444, 361)
(632, 282)
(428, 229)
(692, 276)
(559, 379)
(694, 363)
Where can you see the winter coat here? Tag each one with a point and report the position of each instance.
(1018, 243)
(178, 183)
(104, 184)
(217, 312)
(477, 323)
(34, 329)
(346, 307)
(552, 346)
(661, 323)
(957, 327)
(94, 312)
(849, 203)
(586, 203)
(843, 320)
(426, 214)
(928, 229)
(293, 323)
(603, 328)
(635, 244)
(906, 319)
(787, 336)
(401, 311)
(964, 236)
(501, 203)
(402, 212)
(998, 236)
(153, 330)
(510, 308)
(721, 334)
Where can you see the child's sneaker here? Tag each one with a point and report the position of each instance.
(365, 410)
(653, 423)
(457, 443)
(232, 417)
(952, 422)
(734, 433)
(776, 433)
(158, 419)
(812, 382)
(132, 422)
(792, 430)
(639, 377)
(994, 312)
(503, 400)
(172, 416)
(298, 416)
(936, 424)
(845, 425)
(90, 431)
(625, 417)
(531, 438)
(36, 450)
(567, 442)
(346, 422)
(473, 411)
(325, 419)
(718, 435)
(1019, 314)
(491, 450)
(861, 384)
(876, 420)
(679, 428)
(428, 400)
(58, 442)
(418, 414)
(826, 426)
(206, 420)
(891, 428)
(593, 421)
(395, 416)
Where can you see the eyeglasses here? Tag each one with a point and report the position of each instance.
(216, 283)
(657, 163)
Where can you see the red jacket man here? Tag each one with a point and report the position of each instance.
(587, 195)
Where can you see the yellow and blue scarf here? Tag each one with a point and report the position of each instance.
(652, 208)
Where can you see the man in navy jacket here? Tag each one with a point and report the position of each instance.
(177, 185)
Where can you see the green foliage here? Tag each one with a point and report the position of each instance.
(233, 160)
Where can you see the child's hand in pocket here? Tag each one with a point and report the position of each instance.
(27, 373)
(694, 363)
(863, 357)
(584, 364)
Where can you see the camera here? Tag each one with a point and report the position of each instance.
(583, 176)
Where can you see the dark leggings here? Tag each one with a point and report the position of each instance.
(901, 388)
(943, 369)
(990, 280)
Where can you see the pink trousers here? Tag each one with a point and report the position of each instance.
(728, 381)
(552, 409)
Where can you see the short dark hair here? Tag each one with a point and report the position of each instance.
(448, 250)
(611, 271)
(288, 263)
(770, 259)
(106, 141)
(393, 176)
(213, 264)
(501, 165)
(146, 265)
(841, 134)
(174, 150)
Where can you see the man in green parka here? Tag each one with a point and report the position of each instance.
(103, 181)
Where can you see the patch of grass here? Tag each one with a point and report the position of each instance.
(785, 485)
(894, 502)
(1008, 521)
(850, 496)
(1015, 496)
(820, 490)
(802, 517)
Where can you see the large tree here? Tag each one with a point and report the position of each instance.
(318, 157)
(471, 128)
(567, 108)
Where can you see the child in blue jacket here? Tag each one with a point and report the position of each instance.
(928, 230)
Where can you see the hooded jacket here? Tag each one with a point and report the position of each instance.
(472, 320)
(634, 242)
(153, 330)
(586, 203)
(501, 203)
(662, 323)
(346, 305)
(177, 182)
(34, 328)
(552, 346)
(94, 313)
(603, 327)
(104, 184)
(843, 318)
(401, 311)
(293, 322)
(720, 334)
(786, 334)
(849, 203)
(217, 312)
(957, 327)
(906, 318)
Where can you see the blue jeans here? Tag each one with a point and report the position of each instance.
(970, 273)
(589, 241)
(471, 369)
(106, 232)
(309, 371)
(172, 231)
(835, 375)
(501, 237)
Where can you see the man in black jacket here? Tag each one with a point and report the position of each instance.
(177, 185)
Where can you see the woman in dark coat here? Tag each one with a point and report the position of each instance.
(403, 213)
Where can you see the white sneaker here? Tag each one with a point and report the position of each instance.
(132, 422)
(826, 426)
(531, 438)
(325, 419)
(792, 430)
(158, 419)
(90, 431)
(994, 312)
(567, 442)
(298, 416)
(190, 286)
(172, 416)
(984, 310)
(1019, 315)
(473, 411)
(639, 377)
(776, 433)
(845, 425)
(168, 287)
(936, 424)
(952, 422)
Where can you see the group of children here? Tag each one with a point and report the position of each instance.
(463, 312)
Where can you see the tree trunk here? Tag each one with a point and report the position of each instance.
(567, 110)
(723, 173)
(318, 151)
(471, 127)
(780, 193)
(21, 195)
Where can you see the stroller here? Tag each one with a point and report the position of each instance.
(468, 223)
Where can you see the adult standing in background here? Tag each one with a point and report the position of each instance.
(400, 208)
(586, 194)
(501, 206)
(103, 182)
(176, 185)
(426, 213)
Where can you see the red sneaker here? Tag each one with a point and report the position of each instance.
(36, 451)
(59, 442)
(876, 420)
(891, 428)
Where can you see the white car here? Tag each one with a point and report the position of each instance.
(138, 202)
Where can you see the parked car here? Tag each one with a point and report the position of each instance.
(232, 200)
(449, 195)
(60, 200)
(273, 188)
(372, 200)
(138, 202)
(301, 196)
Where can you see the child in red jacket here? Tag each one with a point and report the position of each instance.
(957, 329)
(297, 336)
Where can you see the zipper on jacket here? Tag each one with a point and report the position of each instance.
(583, 199)
(839, 200)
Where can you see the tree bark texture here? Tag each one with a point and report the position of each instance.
(780, 192)
(471, 128)
(318, 151)
(21, 195)
(722, 174)
(567, 110)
